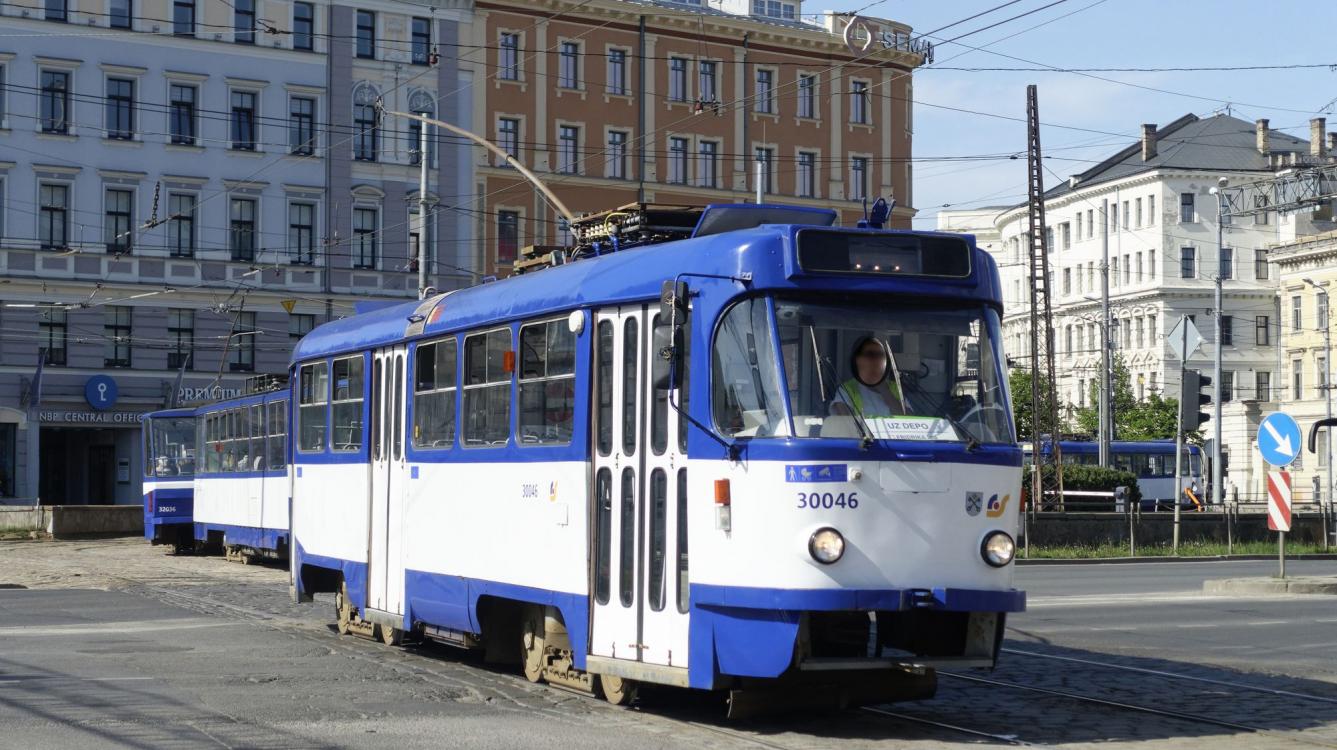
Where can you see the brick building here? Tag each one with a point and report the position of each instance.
(613, 101)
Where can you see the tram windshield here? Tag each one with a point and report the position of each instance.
(860, 370)
(171, 447)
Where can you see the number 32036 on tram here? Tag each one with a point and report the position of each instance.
(766, 455)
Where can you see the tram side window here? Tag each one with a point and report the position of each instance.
(746, 395)
(658, 396)
(605, 386)
(547, 383)
(347, 404)
(434, 395)
(230, 430)
(313, 393)
(658, 537)
(256, 460)
(488, 363)
(603, 525)
(278, 434)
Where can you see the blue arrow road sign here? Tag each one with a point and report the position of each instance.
(1279, 439)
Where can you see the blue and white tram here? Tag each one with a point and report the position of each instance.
(525, 465)
(1151, 461)
(242, 485)
(169, 471)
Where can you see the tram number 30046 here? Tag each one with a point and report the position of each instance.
(817, 500)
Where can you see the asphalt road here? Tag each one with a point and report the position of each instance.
(117, 645)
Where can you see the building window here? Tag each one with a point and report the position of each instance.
(508, 136)
(568, 149)
(508, 236)
(122, 14)
(53, 216)
(677, 161)
(116, 220)
(1226, 264)
(765, 94)
(55, 101)
(1126, 212)
(415, 141)
(807, 96)
(54, 327)
(766, 156)
(120, 108)
(364, 129)
(1260, 265)
(677, 83)
(707, 83)
(707, 158)
(807, 174)
(302, 232)
(617, 154)
(183, 114)
(241, 229)
(303, 25)
(299, 325)
(1138, 258)
(243, 21)
(302, 125)
(1227, 386)
(116, 332)
(568, 65)
(1067, 281)
(181, 337)
(859, 102)
(1187, 213)
(183, 17)
(1321, 310)
(242, 344)
(1297, 380)
(1188, 263)
(1297, 313)
(1262, 331)
(364, 238)
(243, 120)
(422, 41)
(366, 34)
(858, 178)
(1227, 330)
(181, 225)
(1114, 218)
(508, 57)
(1321, 372)
(1263, 386)
(1138, 205)
(617, 72)
(56, 11)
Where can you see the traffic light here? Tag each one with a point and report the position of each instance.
(1191, 398)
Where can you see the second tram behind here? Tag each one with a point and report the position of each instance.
(169, 475)
(631, 469)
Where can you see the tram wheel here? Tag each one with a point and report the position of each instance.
(532, 650)
(343, 609)
(618, 690)
(390, 636)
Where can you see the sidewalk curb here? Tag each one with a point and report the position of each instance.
(1162, 559)
(1255, 586)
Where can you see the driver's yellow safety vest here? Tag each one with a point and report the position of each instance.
(854, 394)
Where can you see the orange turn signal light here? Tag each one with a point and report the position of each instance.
(722, 492)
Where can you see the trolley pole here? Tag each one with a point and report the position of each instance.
(1106, 338)
(422, 210)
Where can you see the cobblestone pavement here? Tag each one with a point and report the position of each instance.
(116, 643)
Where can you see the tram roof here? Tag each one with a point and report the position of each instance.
(625, 276)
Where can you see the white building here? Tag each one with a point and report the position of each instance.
(1154, 200)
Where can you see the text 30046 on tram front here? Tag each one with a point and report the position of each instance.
(775, 458)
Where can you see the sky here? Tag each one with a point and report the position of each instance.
(1096, 34)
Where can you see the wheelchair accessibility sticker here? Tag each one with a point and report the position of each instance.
(815, 473)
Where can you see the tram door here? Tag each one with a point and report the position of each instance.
(637, 553)
(389, 476)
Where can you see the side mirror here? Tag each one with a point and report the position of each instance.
(667, 339)
(1313, 432)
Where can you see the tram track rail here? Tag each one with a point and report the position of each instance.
(1174, 676)
(1151, 710)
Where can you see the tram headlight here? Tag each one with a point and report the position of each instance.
(826, 545)
(998, 549)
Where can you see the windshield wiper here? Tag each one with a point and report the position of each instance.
(972, 443)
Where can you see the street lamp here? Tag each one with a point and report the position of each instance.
(1222, 214)
(1327, 376)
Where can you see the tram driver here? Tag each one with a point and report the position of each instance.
(875, 389)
